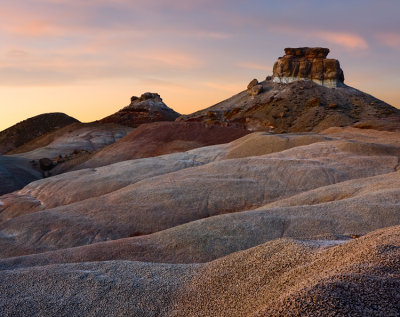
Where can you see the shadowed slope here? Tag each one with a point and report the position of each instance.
(162, 138)
(15, 173)
(79, 136)
(290, 279)
(32, 128)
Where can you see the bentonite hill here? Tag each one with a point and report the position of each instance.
(241, 209)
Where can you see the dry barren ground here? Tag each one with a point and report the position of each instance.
(267, 225)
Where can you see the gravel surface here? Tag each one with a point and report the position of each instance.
(294, 225)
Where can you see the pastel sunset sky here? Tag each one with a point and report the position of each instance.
(88, 57)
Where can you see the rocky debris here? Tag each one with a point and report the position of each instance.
(29, 129)
(253, 83)
(314, 102)
(149, 107)
(254, 88)
(305, 63)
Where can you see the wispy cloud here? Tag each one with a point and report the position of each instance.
(390, 39)
(345, 39)
(348, 40)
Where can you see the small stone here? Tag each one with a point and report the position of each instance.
(253, 83)
(255, 90)
(313, 102)
(46, 164)
(333, 105)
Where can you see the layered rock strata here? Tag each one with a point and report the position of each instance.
(305, 63)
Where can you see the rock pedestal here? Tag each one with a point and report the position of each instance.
(305, 63)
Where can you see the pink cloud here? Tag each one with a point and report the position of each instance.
(33, 28)
(348, 40)
(344, 39)
(389, 39)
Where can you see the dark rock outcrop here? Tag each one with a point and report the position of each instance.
(147, 108)
(308, 63)
(15, 173)
(32, 128)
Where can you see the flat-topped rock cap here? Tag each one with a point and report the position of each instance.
(308, 52)
(308, 63)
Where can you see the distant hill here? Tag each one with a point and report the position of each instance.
(149, 107)
(32, 128)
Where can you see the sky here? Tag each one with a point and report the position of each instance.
(87, 58)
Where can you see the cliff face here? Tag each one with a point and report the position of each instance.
(308, 63)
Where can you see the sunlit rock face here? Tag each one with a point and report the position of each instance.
(305, 63)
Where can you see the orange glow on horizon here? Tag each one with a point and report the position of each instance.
(87, 58)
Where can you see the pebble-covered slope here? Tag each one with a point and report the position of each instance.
(264, 225)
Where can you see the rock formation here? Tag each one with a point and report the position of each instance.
(298, 99)
(254, 88)
(308, 63)
(32, 128)
(149, 107)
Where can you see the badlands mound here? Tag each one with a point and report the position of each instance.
(60, 150)
(147, 108)
(32, 128)
(305, 93)
(160, 138)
